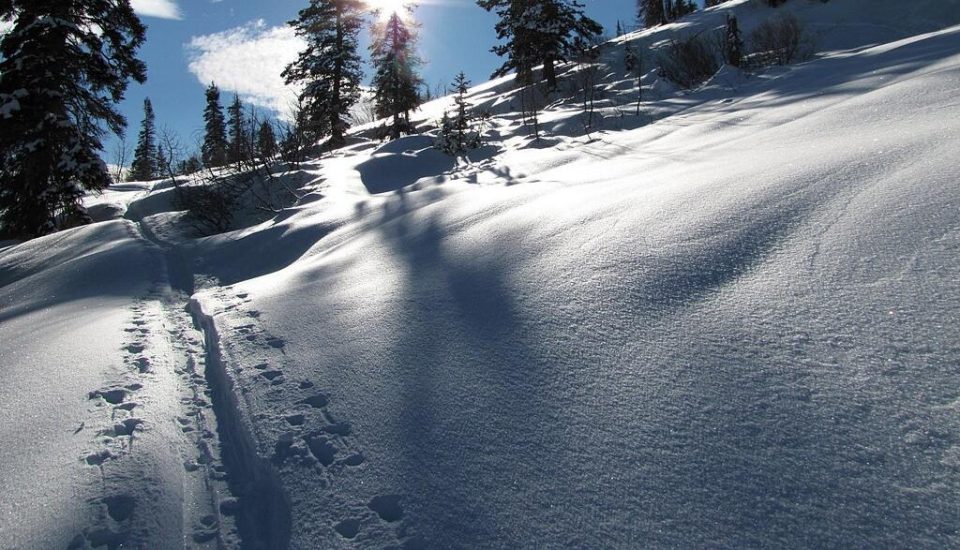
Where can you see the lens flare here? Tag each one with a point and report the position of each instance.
(386, 8)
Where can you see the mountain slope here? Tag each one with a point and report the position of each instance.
(729, 321)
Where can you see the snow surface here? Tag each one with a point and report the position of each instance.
(731, 321)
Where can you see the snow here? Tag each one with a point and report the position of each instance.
(731, 321)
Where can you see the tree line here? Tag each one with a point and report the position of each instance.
(65, 64)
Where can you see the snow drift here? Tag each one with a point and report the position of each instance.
(731, 321)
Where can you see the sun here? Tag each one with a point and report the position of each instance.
(386, 8)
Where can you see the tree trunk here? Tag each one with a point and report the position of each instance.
(550, 73)
(336, 131)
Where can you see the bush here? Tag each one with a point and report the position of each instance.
(689, 62)
(780, 40)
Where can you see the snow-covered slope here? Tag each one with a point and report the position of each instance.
(732, 321)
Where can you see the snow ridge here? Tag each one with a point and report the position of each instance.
(264, 510)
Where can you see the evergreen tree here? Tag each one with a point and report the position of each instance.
(679, 8)
(396, 82)
(266, 141)
(63, 67)
(733, 42)
(455, 136)
(213, 152)
(651, 13)
(461, 86)
(144, 166)
(661, 12)
(633, 62)
(237, 150)
(329, 68)
(539, 32)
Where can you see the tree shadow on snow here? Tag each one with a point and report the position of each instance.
(402, 162)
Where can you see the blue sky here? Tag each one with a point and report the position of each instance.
(242, 45)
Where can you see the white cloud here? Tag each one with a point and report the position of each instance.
(248, 60)
(164, 9)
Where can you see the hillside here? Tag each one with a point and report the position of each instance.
(729, 321)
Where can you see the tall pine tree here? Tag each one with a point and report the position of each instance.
(213, 152)
(539, 32)
(659, 12)
(144, 166)
(396, 82)
(237, 150)
(329, 68)
(63, 67)
(266, 141)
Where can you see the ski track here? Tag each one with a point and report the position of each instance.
(307, 441)
(160, 396)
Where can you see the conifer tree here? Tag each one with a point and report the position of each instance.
(733, 42)
(651, 13)
(396, 82)
(661, 12)
(539, 32)
(461, 86)
(237, 150)
(329, 68)
(213, 152)
(679, 8)
(63, 67)
(144, 166)
(633, 62)
(266, 141)
(455, 136)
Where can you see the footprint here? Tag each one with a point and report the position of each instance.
(276, 343)
(96, 538)
(142, 363)
(295, 419)
(354, 460)
(126, 427)
(322, 449)
(114, 396)
(348, 528)
(120, 507)
(317, 401)
(135, 348)
(305, 384)
(206, 529)
(387, 507)
(338, 428)
(283, 449)
(98, 458)
(271, 374)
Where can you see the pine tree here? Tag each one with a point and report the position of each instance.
(455, 136)
(539, 32)
(633, 62)
(461, 86)
(237, 149)
(144, 166)
(651, 13)
(213, 152)
(396, 82)
(329, 68)
(266, 141)
(679, 8)
(64, 65)
(733, 42)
